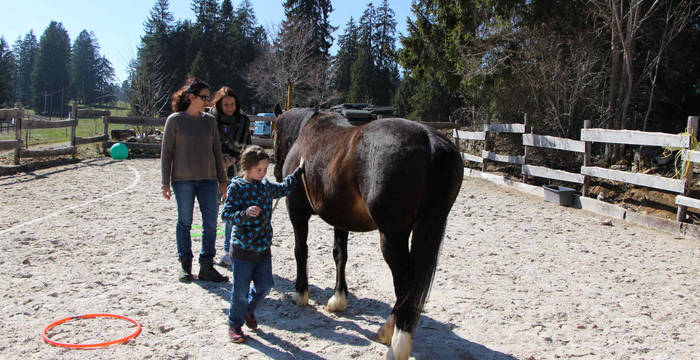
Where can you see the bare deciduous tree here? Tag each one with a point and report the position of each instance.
(150, 92)
(563, 75)
(677, 16)
(624, 20)
(288, 65)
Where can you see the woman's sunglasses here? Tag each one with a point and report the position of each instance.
(206, 98)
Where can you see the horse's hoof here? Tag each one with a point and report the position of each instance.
(301, 300)
(337, 302)
(385, 332)
(400, 346)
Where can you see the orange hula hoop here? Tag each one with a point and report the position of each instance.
(95, 345)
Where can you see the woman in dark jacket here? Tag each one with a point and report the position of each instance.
(234, 133)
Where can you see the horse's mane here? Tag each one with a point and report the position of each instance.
(287, 130)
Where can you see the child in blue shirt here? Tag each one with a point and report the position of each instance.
(248, 208)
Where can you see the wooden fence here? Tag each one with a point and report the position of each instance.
(682, 142)
(21, 123)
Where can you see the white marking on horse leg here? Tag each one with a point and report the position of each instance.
(385, 332)
(301, 299)
(337, 302)
(400, 345)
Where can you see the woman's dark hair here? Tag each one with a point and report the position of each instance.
(222, 93)
(180, 100)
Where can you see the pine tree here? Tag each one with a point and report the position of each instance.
(346, 56)
(374, 73)
(50, 76)
(362, 70)
(427, 54)
(155, 41)
(25, 52)
(251, 39)
(403, 104)
(384, 55)
(314, 13)
(205, 40)
(161, 63)
(7, 74)
(83, 68)
(106, 90)
(199, 67)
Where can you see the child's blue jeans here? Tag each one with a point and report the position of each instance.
(244, 298)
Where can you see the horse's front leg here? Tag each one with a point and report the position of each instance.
(339, 300)
(300, 223)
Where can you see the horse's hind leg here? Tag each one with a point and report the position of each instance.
(339, 300)
(300, 223)
(395, 250)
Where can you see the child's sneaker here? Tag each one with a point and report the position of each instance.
(250, 321)
(236, 334)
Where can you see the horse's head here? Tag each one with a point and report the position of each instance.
(287, 128)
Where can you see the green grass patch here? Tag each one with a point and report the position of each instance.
(87, 127)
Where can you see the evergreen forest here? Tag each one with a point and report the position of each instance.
(621, 64)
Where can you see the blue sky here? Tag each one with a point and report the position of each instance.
(118, 25)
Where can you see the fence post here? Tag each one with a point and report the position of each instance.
(586, 160)
(692, 128)
(73, 128)
(486, 141)
(456, 140)
(105, 122)
(18, 133)
(522, 167)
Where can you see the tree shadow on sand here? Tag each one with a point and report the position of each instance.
(30, 169)
(433, 339)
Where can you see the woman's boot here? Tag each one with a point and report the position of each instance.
(208, 273)
(186, 272)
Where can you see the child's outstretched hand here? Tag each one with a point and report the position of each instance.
(253, 211)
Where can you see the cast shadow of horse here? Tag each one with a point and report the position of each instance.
(439, 339)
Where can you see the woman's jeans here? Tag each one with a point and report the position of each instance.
(244, 300)
(185, 192)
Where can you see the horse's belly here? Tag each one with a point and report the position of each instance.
(347, 215)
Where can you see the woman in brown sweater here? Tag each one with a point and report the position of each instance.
(192, 167)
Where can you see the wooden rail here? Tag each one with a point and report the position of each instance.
(94, 139)
(630, 137)
(29, 124)
(552, 142)
(44, 124)
(652, 181)
(135, 120)
(545, 172)
(90, 113)
(10, 144)
(589, 136)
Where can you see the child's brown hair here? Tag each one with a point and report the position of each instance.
(251, 156)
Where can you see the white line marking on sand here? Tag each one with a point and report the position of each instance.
(137, 178)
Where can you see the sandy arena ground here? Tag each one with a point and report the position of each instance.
(518, 278)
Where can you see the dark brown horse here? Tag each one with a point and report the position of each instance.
(394, 175)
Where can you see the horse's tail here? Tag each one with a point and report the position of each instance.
(444, 179)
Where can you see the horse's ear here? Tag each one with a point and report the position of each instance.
(278, 110)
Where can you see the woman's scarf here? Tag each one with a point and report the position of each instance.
(231, 121)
